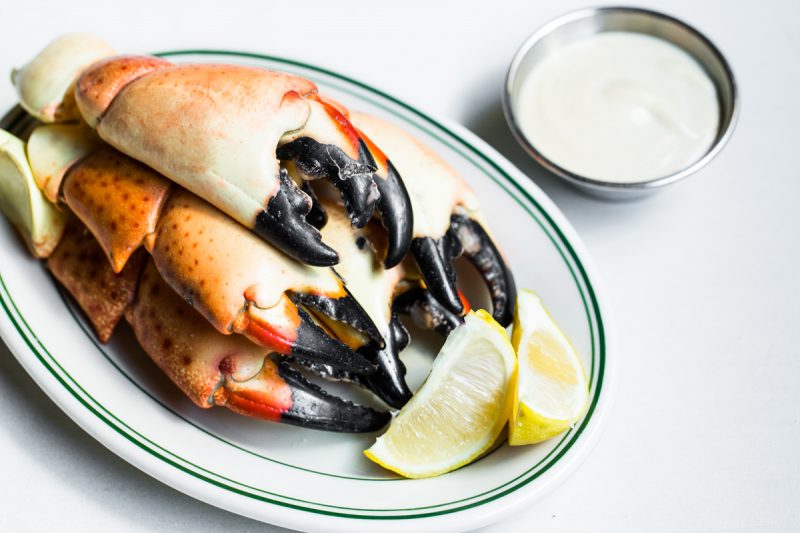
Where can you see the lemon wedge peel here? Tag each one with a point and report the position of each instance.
(559, 371)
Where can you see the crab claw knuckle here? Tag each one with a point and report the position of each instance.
(100, 84)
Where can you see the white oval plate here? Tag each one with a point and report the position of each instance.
(300, 478)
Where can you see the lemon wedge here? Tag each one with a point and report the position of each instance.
(461, 408)
(37, 220)
(551, 390)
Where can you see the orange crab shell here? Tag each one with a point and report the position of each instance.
(118, 199)
(80, 265)
(206, 256)
(210, 368)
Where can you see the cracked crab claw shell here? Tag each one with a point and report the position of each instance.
(36, 219)
(44, 84)
(223, 370)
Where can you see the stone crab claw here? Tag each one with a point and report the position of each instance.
(222, 370)
(447, 221)
(222, 131)
(212, 369)
(374, 287)
(239, 283)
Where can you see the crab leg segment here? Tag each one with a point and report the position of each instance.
(119, 200)
(224, 370)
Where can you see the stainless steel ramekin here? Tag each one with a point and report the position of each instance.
(587, 22)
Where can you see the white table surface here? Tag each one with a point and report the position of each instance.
(703, 278)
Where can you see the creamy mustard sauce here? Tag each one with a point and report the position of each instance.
(619, 106)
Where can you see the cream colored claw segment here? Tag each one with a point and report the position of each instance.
(367, 280)
(44, 84)
(53, 149)
(212, 129)
(36, 219)
(324, 130)
(435, 189)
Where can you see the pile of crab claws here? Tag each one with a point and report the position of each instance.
(466, 237)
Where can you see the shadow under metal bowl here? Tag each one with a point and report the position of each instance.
(581, 24)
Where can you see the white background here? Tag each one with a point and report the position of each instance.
(703, 278)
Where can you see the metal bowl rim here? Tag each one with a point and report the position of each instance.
(599, 184)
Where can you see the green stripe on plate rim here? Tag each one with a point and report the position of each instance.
(550, 228)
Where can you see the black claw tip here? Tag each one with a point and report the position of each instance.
(482, 252)
(312, 407)
(283, 224)
(434, 259)
(426, 311)
(314, 344)
(397, 217)
(353, 178)
(344, 309)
